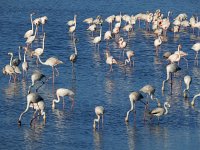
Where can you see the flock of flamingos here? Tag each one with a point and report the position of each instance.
(154, 22)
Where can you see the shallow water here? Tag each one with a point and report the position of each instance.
(92, 82)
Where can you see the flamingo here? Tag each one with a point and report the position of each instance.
(157, 43)
(150, 90)
(38, 51)
(25, 65)
(30, 39)
(73, 56)
(92, 28)
(176, 56)
(182, 54)
(62, 92)
(8, 69)
(159, 111)
(187, 81)
(73, 28)
(29, 32)
(107, 36)
(110, 20)
(194, 98)
(134, 97)
(129, 55)
(43, 20)
(88, 21)
(196, 48)
(53, 62)
(171, 68)
(37, 102)
(122, 44)
(71, 22)
(35, 77)
(110, 60)
(97, 39)
(99, 111)
(16, 61)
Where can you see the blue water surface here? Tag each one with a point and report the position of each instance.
(92, 81)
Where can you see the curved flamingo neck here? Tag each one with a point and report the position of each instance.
(19, 53)
(43, 41)
(44, 63)
(166, 110)
(11, 57)
(31, 21)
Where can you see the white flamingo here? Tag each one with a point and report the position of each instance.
(38, 51)
(62, 92)
(97, 39)
(134, 97)
(30, 32)
(187, 81)
(35, 101)
(110, 60)
(196, 48)
(99, 111)
(25, 65)
(129, 55)
(159, 111)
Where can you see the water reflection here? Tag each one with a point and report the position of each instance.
(12, 90)
(131, 136)
(97, 138)
(109, 88)
(33, 135)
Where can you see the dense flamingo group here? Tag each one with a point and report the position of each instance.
(120, 27)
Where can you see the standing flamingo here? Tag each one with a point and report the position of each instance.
(129, 55)
(134, 97)
(150, 90)
(171, 68)
(25, 65)
(97, 39)
(53, 62)
(99, 111)
(43, 20)
(110, 60)
(35, 77)
(73, 56)
(196, 48)
(37, 102)
(187, 81)
(159, 111)
(29, 32)
(62, 92)
(38, 51)
(73, 28)
(157, 43)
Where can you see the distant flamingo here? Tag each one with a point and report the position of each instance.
(99, 111)
(38, 51)
(16, 61)
(97, 39)
(107, 36)
(134, 97)
(176, 56)
(122, 45)
(157, 43)
(25, 65)
(36, 101)
(73, 28)
(62, 92)
(73, 56)
(30, 32)
(194, 98)
(43, 20)
(110, 60)
(187, 81)
(129, 55)
(196, 48)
